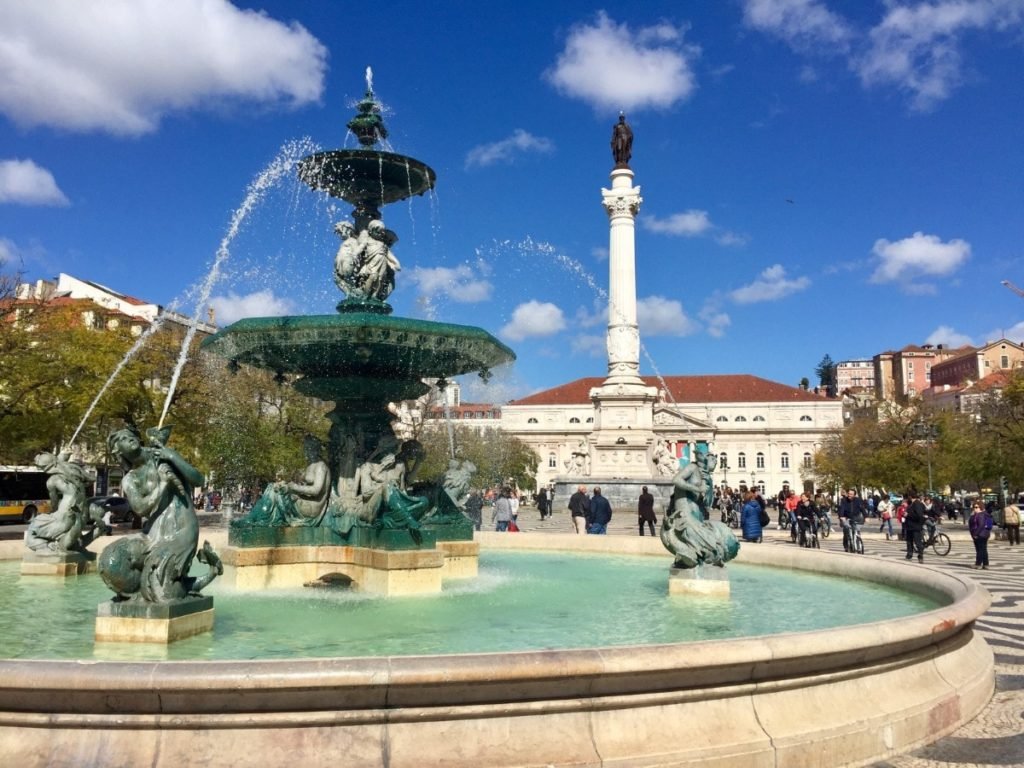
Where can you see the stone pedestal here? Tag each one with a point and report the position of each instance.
(461, 559)
(704, 580)
(376, 571)
(59, 565)
(133, 621)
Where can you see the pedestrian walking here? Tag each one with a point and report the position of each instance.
(645, 510)
(980, 526)
(600, 513)
(1011, 522)
(914, 527)
(579, 509)
(501, 513)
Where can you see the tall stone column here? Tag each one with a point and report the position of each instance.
(623, 405)
(622, 202)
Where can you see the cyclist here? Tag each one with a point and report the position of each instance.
(851, 517)
(914, 524)
(807, 518)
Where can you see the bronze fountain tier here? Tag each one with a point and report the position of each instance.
(364, 360)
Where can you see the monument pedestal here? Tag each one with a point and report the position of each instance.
(59, 565)
(704, 580)
(132, 621)
(461, 559)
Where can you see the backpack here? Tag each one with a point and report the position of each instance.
(765, 519)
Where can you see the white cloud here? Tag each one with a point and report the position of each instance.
(534, 318)
(586, 319)
(1013, 333)
(120, 67)
(611, 66)
(714, 319)
(9, 252)
(459, 283)
(590, 345)
(228, 309)
(917, 47)
(948, 337)
(730, 238)
(505, 151)
(771, 285)
(22, 181)
(686, 224)
(802, 24)
(916, 256)
(599, 253)
(658, 316)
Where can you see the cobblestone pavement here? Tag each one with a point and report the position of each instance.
(995, 738)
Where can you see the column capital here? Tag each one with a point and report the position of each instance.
(621, 202)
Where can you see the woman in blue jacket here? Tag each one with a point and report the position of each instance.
(750, 518)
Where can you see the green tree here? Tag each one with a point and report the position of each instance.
(826, 373)
(497, 455)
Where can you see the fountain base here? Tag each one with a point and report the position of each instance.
(389, 573)
(702, 581)
(59, 565)
(138, 622)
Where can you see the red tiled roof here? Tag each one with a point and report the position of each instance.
(726, 388)
(466, 408)
(996, 380)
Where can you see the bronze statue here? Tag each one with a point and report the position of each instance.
(158, 483)
(684, 531)
(622, 142)
(301, 503)
(60, 531)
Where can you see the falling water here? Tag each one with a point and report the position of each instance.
(448, 422)
(369, 78)
(279, 167)
(578, 270)
(140, 342)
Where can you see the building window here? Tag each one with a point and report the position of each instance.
(531, 420)
(785, 461)
(590, 419)
(574, 420)
(759, 460)
(723, 461)
(1004, 361)
(759, 418)
(722, 418)
(740, 418)
(805, 417)
(741, 461)
(807, 461)
(552, 460)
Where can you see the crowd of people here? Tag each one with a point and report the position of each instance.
(912, 518)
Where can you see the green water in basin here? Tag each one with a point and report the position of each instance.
(520, 601)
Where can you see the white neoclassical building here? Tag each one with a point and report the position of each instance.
(764, 433)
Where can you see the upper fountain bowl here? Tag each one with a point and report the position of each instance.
(366, 178)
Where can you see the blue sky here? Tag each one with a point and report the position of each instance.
(818, 176)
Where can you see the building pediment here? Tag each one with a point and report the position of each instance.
(667, 416)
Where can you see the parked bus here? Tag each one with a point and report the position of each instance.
(23, 493)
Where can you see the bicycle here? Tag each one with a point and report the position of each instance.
(808, 536)
(824, 525)
(936, 539)
(852, 541)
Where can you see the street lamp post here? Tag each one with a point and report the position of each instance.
(926, 432)
(753, 475)
(725, 470)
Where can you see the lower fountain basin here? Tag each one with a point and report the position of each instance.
(840, 696)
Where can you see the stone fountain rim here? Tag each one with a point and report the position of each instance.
(482, 678)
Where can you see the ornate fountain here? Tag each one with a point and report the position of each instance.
(359, 511)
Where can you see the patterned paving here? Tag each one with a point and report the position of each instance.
(996, 737)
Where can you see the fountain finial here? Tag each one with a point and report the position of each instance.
(368, 125)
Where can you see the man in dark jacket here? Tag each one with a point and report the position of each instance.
(579, 508)
(851, 516)
(645, 510)
(600, 513)
(915, 521)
